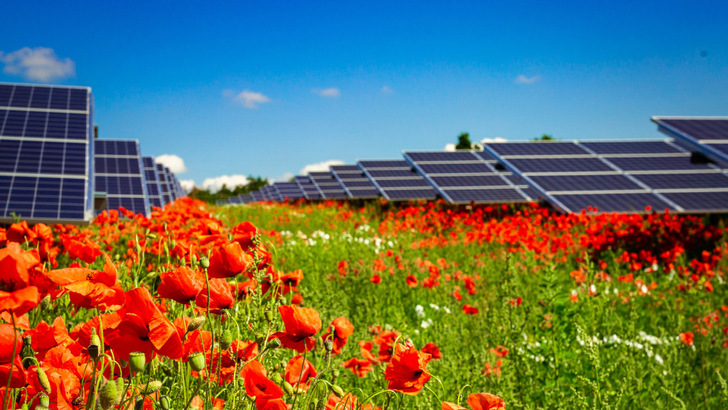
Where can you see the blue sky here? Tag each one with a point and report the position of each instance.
(266, 88)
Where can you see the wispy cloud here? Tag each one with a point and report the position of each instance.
(522, 79)
(246, 98)
(37, 64)
(187, 184)
(332, 92)
(174, 162)
(319, 166)
(386, 90)
(230, 181)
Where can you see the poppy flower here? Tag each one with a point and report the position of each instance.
(15, 266)
(229, 261)
(144, 328)
(407, 372)
(411, 281)
(339, 332)
(181, 285)
(258, 385)
(470, 310)
(244, 233)
(21, 301)
(88, 288)
(433, 350)
(221, 296)
(301, 325)
(8, 338)
(299, 372)
(486, 401)
(359, 367)
(18, 378)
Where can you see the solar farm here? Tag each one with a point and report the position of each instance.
(683, 172)
(53, 169)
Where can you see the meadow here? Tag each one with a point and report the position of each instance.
(336, 305)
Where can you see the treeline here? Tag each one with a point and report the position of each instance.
(254, 184)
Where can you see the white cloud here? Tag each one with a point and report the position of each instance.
(387, 90)
(38, 64)
(173, 162)
(187, 184)
(230, 181)
(320, 166)
(450, 147)
(522, 79)
(496, 139)
(285, 177)
(327, 92)
(249, 99)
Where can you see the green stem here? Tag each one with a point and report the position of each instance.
(12, 361)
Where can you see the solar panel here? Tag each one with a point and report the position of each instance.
(170, 184)
(154, 189)
(465, 176)
(626, 203)
(256, 196)
(309, 190)
(288, 190)
(120, 174)
(45, 146)
(328, 185)
(355, 183)
(396, 180)
(164, 184)
(707, 135)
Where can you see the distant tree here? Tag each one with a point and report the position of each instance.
(254, 184)
(464, 141)
(544, 137)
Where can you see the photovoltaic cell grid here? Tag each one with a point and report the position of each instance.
(669, 171)
(256, 196)
(119, 173)
(355, 183)
(154, 188)
(309, 190)
(45, 146)
(573, 177)
(164, 183)
(464, 177)
(397, 180)
(288, 190)
(170, 184)
(707, 135)
(328, 186)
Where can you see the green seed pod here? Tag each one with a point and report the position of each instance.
(193, 259)
(277, 378)
(205, 262)
(139, 403)
(226, 340)
(138, 248)
(137, 361)
(195, 323)
(44, 400)
(268, 316)
(197, 361)
(45, 304)
(94, 345)
(27, 353)
(164, 402)
(151, 236)
(152, 387)
(119, 390)
(328, 345)
(288, 388)
(43, 379)
(24, 406)
(39, 407)
(107, 395)
(337, 390)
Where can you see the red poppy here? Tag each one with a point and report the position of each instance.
(359, 367)
(433, 350)
(89, 288)
(244, 234)
(446, 405)
(300, 324)
(18, 378)
(182, 284)
(21, 301)
(299, 372)
(258, 385)
(15, 266)
(486, 401)
(385, 341)
(342, 329)
(687, 338)
(221, 296)
(20, 232)
(470, 310)
(144, 328)
(376, 279)
(407, 371)
(411, 281)
(229, 261)
(8, 338)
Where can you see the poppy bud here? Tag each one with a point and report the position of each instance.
(44, 400)
(152, 387)
(273, 344)
(195, 323)
(288, 388)
(139, 403)
(137, 361)
(94, 344)
(45, 304)
(39, 407)
(27, 352)
(197, 361)
(205, 262)
(268, 316)
(138, 248)
(277, 378)
(24, 406)
(260, 339)
(119, 390)
(328, 345)
(152, 236)
(43, 379)
(226, 340)
(193, 259)
(107, 395)
(337, 390)
(164, 402)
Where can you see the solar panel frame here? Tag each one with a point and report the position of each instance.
(354, 182)
(120, 173)
(391, 171)
(154, 188)
(309, 189)
(327, 185)
(55, 142)
(713, 146)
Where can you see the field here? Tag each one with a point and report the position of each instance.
(337, 305)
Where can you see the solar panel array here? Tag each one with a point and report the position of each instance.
(45, 145)
(288, 190)
(465, 176)
(397, 180)
(707, 135)
(309, 189)
(52, 169)
(154, 188)
(327, 185)
(354, 182)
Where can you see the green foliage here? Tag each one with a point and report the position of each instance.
(545, 137)
(464, 142)
(254, 184)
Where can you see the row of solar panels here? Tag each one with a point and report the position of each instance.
(52, 169)
(684, 173)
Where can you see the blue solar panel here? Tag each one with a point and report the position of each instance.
(560, 165)
(607, 148)
(658, 164)
(328, 185)
(707, 135)
(154, 188)
(45, 144)
(354, 182)
(483, 195)
(396, 180)
(388, 164)
(631, 202)
(289, 190)
(393, 173)
(457, 168)
(700, 201)
(470, 181)
(585, 183)
(535, 148)
(685, 181)
(164, 184)
(441, 156)
(309, 190)
(119, 173)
